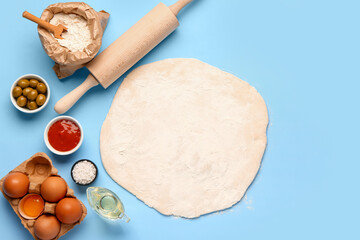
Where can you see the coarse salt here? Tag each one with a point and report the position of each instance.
(77, 37)
(84, 172)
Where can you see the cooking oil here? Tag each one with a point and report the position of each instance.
(106, 203)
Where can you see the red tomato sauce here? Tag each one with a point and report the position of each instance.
(64, 135)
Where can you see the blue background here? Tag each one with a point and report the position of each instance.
(301, 55)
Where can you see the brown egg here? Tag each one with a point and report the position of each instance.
(68, 210)
(16, 185)
(46, 227)
(53, 189)
(31, 206)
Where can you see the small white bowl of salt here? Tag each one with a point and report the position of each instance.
(84, 172)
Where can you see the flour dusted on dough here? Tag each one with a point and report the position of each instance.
(77, 37)
(184, 137)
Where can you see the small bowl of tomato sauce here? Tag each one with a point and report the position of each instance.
(63, 135)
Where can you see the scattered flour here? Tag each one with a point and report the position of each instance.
(77, 37)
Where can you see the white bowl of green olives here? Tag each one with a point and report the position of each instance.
(30, 93)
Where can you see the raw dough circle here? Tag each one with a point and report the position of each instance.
(184, 137)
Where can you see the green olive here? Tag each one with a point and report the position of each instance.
(17, 91)
(40, 100)
(32, 95)
(26, 91)
(21, 101)
(33, 83)
(32, 105)
(41, 87)
(23, 83)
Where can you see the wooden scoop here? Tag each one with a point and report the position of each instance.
(56, 30)
(127, 50)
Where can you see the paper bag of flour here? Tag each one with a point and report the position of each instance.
(67, 61)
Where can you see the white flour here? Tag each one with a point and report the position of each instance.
(77, 37)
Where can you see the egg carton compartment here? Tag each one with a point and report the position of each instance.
(38, 168)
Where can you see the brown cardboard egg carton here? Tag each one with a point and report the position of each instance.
(38, 168)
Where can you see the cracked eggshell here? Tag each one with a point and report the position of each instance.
(38, 168)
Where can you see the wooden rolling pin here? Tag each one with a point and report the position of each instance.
(126, 51)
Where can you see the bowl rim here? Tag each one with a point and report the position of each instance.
(47, 143)
(82, 160)
(30, 76)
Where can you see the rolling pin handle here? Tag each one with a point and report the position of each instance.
(176, 7)
(64, 104)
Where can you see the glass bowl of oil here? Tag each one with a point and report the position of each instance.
(106, 203)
